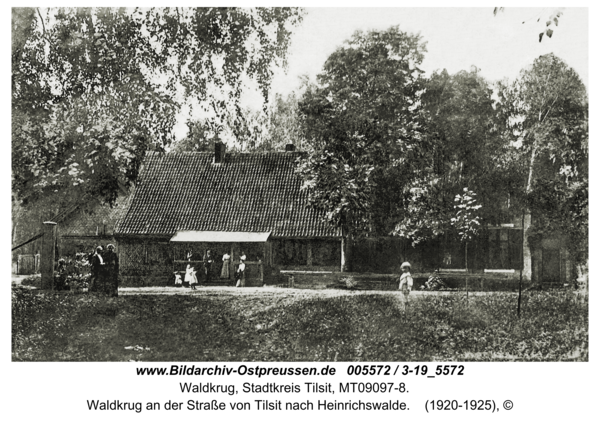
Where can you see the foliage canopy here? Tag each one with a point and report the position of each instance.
(94, 89)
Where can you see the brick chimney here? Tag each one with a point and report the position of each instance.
(219, 152)
(290, 147)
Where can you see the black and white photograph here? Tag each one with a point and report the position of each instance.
(300, 184)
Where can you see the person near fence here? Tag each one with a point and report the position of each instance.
(208, 263)
(60, 276)
(406, 282)
(240, 274)
(97, 262)
(111, 263)
(225, 269)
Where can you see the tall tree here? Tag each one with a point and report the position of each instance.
(547, 115)
(94, 89)
(363, 128)
(467, 160)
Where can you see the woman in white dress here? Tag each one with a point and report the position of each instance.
(225, 269)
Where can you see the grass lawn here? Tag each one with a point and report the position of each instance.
(278, 324)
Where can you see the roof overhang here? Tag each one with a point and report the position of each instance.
(220, 237)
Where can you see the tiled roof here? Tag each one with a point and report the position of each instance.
(250, 192)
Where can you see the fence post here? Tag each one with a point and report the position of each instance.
(262, 282)
(47, 255)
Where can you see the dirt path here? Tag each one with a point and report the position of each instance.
(273, 291)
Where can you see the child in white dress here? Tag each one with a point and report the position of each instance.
(190, 277)
(406, 282)
(178, 281)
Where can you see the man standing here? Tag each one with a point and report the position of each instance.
(97, 281)
(208, 262)
(111, 261)
(241, 274)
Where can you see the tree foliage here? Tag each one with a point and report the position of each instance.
(200, 137)
(94, 89)
(363, 128)
(269, 129)
(552, 20)
(467, 154)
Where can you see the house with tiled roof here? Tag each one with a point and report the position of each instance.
(230, 203)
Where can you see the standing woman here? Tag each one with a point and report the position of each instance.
(111, 260)
(406, 282)
(240, 275)
(225, 269)
(208, 262)
(97, 270)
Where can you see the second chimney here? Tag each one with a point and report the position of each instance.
(219, 152)
(290, 147)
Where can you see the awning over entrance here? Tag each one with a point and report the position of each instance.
(220, 237)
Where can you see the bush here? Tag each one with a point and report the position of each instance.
(33, 281)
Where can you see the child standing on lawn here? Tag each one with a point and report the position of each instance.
(406, 282)
(178, 281)
(190, 277)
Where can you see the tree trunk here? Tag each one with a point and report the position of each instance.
(347, 253)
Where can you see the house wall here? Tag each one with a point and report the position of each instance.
(152, 261)
(145, 262)
(306, 254)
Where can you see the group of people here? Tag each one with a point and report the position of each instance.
(191, 274)
(105, 270)
(101, 266)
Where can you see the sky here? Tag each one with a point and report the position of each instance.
(457, 38)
